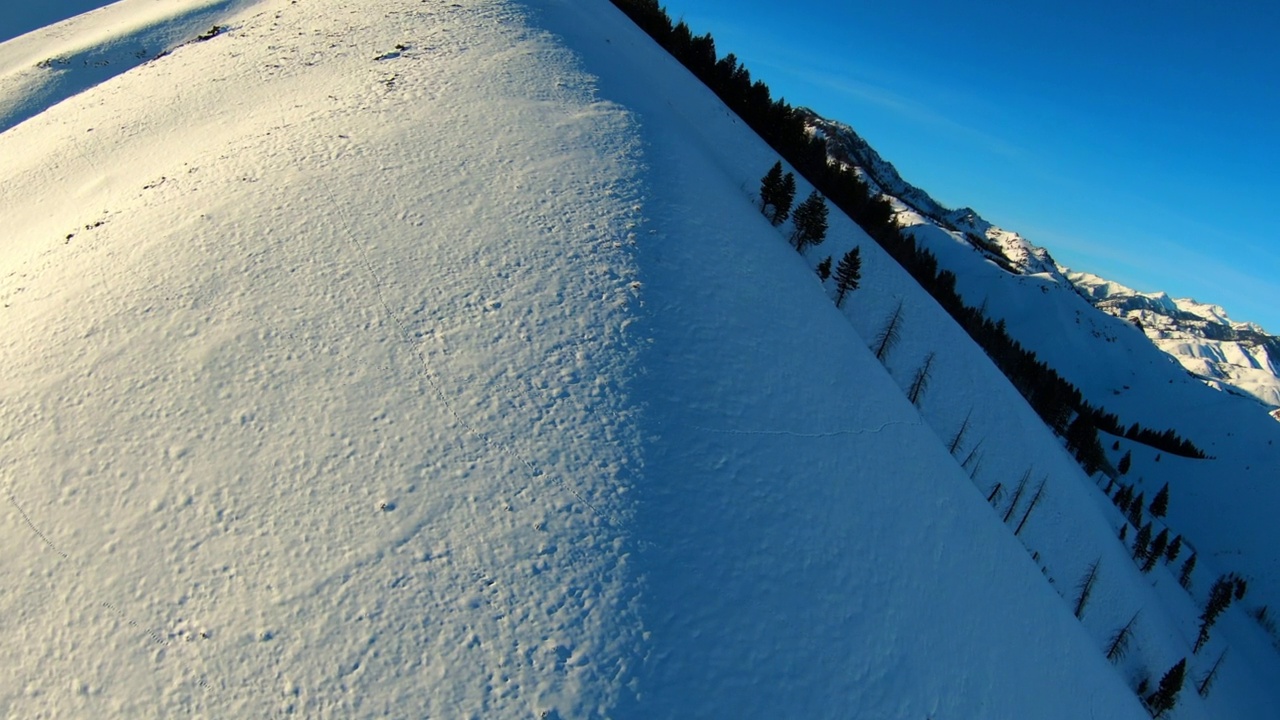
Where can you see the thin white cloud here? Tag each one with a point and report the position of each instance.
(909, 109)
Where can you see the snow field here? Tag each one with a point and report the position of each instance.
(338, 382)
(767, 345)
(413, 359)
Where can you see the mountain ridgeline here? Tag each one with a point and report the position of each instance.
(1241, 358)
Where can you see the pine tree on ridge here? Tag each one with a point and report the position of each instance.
(848, 274)
(810, 219)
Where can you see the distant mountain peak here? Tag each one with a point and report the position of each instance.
(1201, 336)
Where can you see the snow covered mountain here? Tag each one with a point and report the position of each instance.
(1230, 356)
(384, 358)
(1228, 500)
(1007, 249)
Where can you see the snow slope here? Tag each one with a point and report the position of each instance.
(1189, 368)
(409, 359)
(1227, 502)
(327, 416)
(20, 18)
(44, 68)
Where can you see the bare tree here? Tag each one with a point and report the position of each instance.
(1085, 588)
(1118, 646)
(889, 334)
(959, 436)
(1035, 500)
(1206, 683)
(1017, 495)
(921, 381)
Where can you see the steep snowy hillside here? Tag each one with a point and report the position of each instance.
(42, 69)
(21, 18)
(403, 359)
(1225, 504)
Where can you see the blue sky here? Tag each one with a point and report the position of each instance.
(23, 16)
(1138, 141)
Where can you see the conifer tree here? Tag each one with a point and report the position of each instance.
(770, 187)
(824, 270)
(1122, 497)
(1175, 547)
(1166, 695)
(1141, 542)
(1156, 551)
(1160, 503)
(1184, 577)
(1125, 462)
(786, 197)
(1220, 596)
(810, 220)
(1135, 510)
(777, 191)
(848, 274)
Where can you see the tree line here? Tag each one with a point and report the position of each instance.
(1059, 403)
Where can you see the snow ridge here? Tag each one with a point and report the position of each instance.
(1008, 249)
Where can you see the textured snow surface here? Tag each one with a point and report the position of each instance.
(314, 381)
(405, 359)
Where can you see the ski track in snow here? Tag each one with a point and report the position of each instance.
(14, 501)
